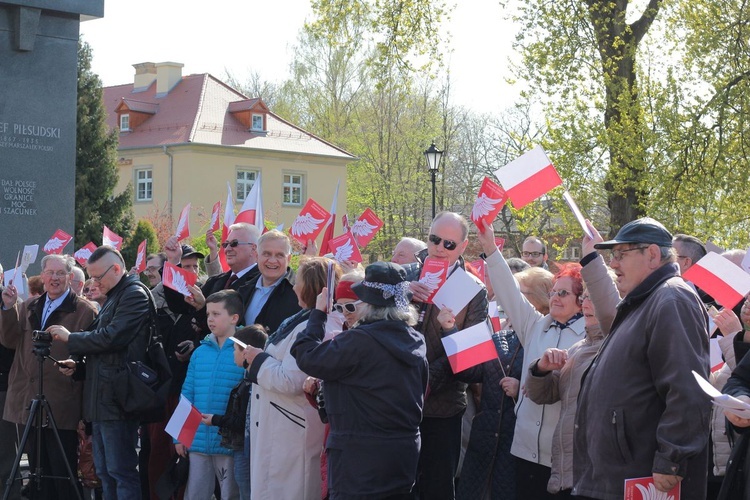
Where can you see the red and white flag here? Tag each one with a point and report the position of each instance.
(213, 224)
(183, 225)
(469, 347)
(228, 221)
(328, 233)
(345, 223)
(177, 278)
(344, 247)
(57, 242)
(111, 238)
(726, 282)
(494, 313)
(309, 222)
(433, 275)
(140, 258)
(366, 227)
(479, 265)
(490, 200)
(184, 422)
(528, 177)
(82, 254)
(252, 208)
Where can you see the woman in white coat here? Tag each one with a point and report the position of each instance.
(286, 434)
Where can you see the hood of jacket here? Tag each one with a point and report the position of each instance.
(401, 341)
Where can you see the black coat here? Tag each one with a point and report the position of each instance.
(118, 334)
(281, 304)
(375, 376)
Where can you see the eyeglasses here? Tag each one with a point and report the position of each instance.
(56, 274)
(447, 244)
(99, 278)
(234, 243)
(532, 254)
(348, 307)
(559, 293)
(617, 255)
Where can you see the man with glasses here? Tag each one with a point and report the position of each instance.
(154, 264)
(534, 252)
(446, 401)
(58, 305)
(119, 334)
(631, 418)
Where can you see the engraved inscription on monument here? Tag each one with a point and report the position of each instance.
(18, 197)
(32, 137)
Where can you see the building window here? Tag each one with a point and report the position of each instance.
(572, 253)
(257, 122)
(144, 185)
(245, 181)
(124, 123)
(292, 194)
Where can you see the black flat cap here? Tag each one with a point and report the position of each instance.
(645, 230)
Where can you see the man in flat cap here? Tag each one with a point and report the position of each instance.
(640, 412)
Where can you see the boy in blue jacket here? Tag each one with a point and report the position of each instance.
(211, 376)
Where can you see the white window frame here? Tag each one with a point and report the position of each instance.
(293, 182)
(125, 122)
(242, 186)
(146, 182)
(252, 122)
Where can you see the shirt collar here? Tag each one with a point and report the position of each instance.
(244, 271)
(259, 283)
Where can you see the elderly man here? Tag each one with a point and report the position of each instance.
(630, 421)
(154, 264)
(118, 335)
(446, 400)
(57, 306)
(406, 250)
(76, 283)
(534, 252)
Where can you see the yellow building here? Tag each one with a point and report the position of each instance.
(182, 138)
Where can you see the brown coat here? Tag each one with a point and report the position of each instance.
(63, 394)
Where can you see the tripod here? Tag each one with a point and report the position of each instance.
(36, 419)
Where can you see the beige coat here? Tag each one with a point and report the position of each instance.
(721, 445)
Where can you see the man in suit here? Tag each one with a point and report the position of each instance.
(240, 249)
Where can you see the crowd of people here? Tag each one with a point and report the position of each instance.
(302, 398)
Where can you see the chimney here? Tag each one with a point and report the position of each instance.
(168, 74)
(145, 74)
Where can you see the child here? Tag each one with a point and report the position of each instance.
(232, 424)
(211, 376)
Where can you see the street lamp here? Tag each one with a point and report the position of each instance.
(433, 156)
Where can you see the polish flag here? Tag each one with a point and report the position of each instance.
(328, 233)
(111, 238)
(494, 313)
(82, 254)
(57, 242)
(309, 222)
(366, 227)
(213, 225)
(469, 347)
(178, 279)
(184, 422)
(528, 177)
(345, 223)
(228, 221)
(183, 225)
(140, 258)
(720, 278)
(252, 209)
(490, 200)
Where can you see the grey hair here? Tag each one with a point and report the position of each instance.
(253, 231)
(65, 259)
(517, 265)
(369, 313)
(667, 254)
(274, 235)
(78, 274)
(692, 247)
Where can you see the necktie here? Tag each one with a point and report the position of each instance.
(231, 280)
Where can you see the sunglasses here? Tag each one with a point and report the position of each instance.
(348, 307)
(447, 244)
(559, 293)
(234, 243)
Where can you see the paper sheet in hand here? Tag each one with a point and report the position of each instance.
(29, 254)
(10, 275)
(457, 291)
(577, 212)
(729, 403)
(238, 342)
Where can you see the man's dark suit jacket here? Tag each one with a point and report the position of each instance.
(281, 304)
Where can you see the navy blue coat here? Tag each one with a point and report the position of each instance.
(375, 377)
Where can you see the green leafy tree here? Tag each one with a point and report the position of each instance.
(144, 230)
(97, 204)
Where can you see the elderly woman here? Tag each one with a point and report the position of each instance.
(556, 376)
(286, 434)
(561, 328)
(375, 376)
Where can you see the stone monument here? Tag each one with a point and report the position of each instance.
(38, 95)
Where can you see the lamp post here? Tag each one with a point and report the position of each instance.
(433, 156)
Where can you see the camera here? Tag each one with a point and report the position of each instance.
(41, 337)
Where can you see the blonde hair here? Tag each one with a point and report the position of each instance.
(539, 281)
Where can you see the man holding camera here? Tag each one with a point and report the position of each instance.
(57, 306)
(119, 334)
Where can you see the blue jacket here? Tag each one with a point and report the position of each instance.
(210, 378)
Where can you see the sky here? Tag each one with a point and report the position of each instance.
(241, 36)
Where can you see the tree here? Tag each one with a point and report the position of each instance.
(97, 204)
(144, 230)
